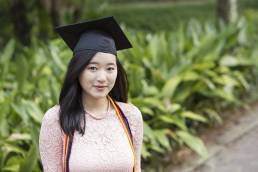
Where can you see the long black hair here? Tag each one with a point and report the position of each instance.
(71, 114)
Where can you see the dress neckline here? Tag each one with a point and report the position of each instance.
(103, 114)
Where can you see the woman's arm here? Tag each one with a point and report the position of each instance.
(50, 141)
(137, 131)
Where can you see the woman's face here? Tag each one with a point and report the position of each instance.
(99, 76)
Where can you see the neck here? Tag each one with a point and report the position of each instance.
(95, 105)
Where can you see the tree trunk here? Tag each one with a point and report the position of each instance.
(223, 10)
(55, 17)
(20, 22)
(227, 10)
(233, 10)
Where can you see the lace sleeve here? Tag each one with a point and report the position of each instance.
(136, 124)
(50, 141)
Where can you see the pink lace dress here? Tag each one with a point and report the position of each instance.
(103, 148)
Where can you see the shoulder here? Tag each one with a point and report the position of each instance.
(51, 133)
(131, 111)
(52, 115)
(129, 107)
(134, 117)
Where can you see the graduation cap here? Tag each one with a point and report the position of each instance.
(100, 35)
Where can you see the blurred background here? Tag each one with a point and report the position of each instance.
(191, 61)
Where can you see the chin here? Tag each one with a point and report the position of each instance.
(99, 95)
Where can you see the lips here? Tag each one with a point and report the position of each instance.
(100, 86)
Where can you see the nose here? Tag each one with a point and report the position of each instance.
(101, 76)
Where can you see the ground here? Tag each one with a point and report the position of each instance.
(233, 146)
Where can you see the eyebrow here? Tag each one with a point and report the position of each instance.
(106, 64)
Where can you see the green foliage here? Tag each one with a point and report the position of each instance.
(160, 15)
(167, 15)
(189, 77)
(27, 89)
(180, 80)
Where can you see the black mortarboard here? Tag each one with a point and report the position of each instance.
(100, 35)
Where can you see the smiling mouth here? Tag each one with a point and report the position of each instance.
(100, 87)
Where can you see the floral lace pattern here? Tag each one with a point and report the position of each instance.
(103, 147)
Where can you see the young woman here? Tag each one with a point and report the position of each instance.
(93, 128)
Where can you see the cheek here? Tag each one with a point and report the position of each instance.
(84, 79)
(113, 77)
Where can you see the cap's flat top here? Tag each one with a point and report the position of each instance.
(71, 33)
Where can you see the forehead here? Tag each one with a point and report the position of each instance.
(103, 58)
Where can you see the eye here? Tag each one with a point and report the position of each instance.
(92, 68)
(110, 68)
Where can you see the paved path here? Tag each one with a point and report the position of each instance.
(239, 156)
(233, 149)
